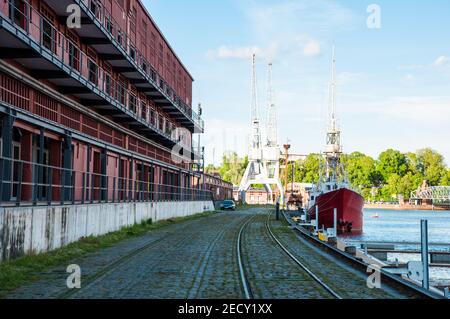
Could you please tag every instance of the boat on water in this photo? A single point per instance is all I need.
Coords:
(333, 190)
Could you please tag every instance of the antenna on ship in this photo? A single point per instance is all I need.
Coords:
(333, 92)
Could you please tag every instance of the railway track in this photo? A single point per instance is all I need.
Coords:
(177, 243)
(315, 283)
(310, 251)
(114, 265)
(200, 284)
(245, 284)
(301, 265)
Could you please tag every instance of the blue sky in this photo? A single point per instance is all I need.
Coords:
(393, 82)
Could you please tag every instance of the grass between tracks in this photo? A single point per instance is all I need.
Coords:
(26, 269)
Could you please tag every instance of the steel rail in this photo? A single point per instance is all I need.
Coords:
(300, 264)
(245, 283)
(116, 263)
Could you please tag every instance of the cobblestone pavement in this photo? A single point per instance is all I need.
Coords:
(197, 259)
(338, 275)
(193, 259)
(270, 272)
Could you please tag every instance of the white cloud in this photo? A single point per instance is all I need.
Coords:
(442, 61)
(223, 135)
(345, 78)
(427, 110)
(312, 48)
(225, 52)
(246, 52)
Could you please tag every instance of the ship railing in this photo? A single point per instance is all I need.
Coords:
(25, 183)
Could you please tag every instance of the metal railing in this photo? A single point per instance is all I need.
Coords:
(26, 183)
(67, 52)
(104, 17)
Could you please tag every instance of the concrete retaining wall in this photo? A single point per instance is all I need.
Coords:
(33, 230)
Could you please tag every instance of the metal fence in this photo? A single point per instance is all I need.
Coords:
(30, 184)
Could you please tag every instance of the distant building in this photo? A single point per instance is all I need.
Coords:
(220, 189)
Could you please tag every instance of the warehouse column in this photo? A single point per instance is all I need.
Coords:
(103, 169)
(7, 136)
(67, 166)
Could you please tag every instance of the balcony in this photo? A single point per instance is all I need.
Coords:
(28, 38)
(102, 32)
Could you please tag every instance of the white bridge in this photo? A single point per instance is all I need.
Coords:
(436, 194)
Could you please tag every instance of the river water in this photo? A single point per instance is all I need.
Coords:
(402, 228)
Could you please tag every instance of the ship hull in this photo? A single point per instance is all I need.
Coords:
(349, 206)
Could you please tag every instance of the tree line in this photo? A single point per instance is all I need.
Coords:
(391, 176)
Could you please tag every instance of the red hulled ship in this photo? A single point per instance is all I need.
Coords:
(333, 189)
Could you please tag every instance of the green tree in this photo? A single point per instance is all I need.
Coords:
(361, 170)
(409, 183)
(307, 170)
(446, 178)
(233, 168)
(210, 169)
(392, 162)
(431, 165)
(414, 165)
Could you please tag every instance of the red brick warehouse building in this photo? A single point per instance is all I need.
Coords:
(92, 114)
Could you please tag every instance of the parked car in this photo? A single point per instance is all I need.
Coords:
(228, 205)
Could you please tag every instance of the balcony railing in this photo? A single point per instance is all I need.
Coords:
(104, 18)
(46, 185)
(39, 29)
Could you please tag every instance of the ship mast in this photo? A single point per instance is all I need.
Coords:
(333, 149)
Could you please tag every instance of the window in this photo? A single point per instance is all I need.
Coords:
(74, 56)
(120, 37)
(161, 123)
(133, 53)
(133, 15)
(132, 103)
(108, 84)
(153, 75)
(168, 128)
(109, 25)
(93, 72)
(121, 93)
(18, 13)
(152, 118)
(95, 8)
(48, 35)
(143, 110)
